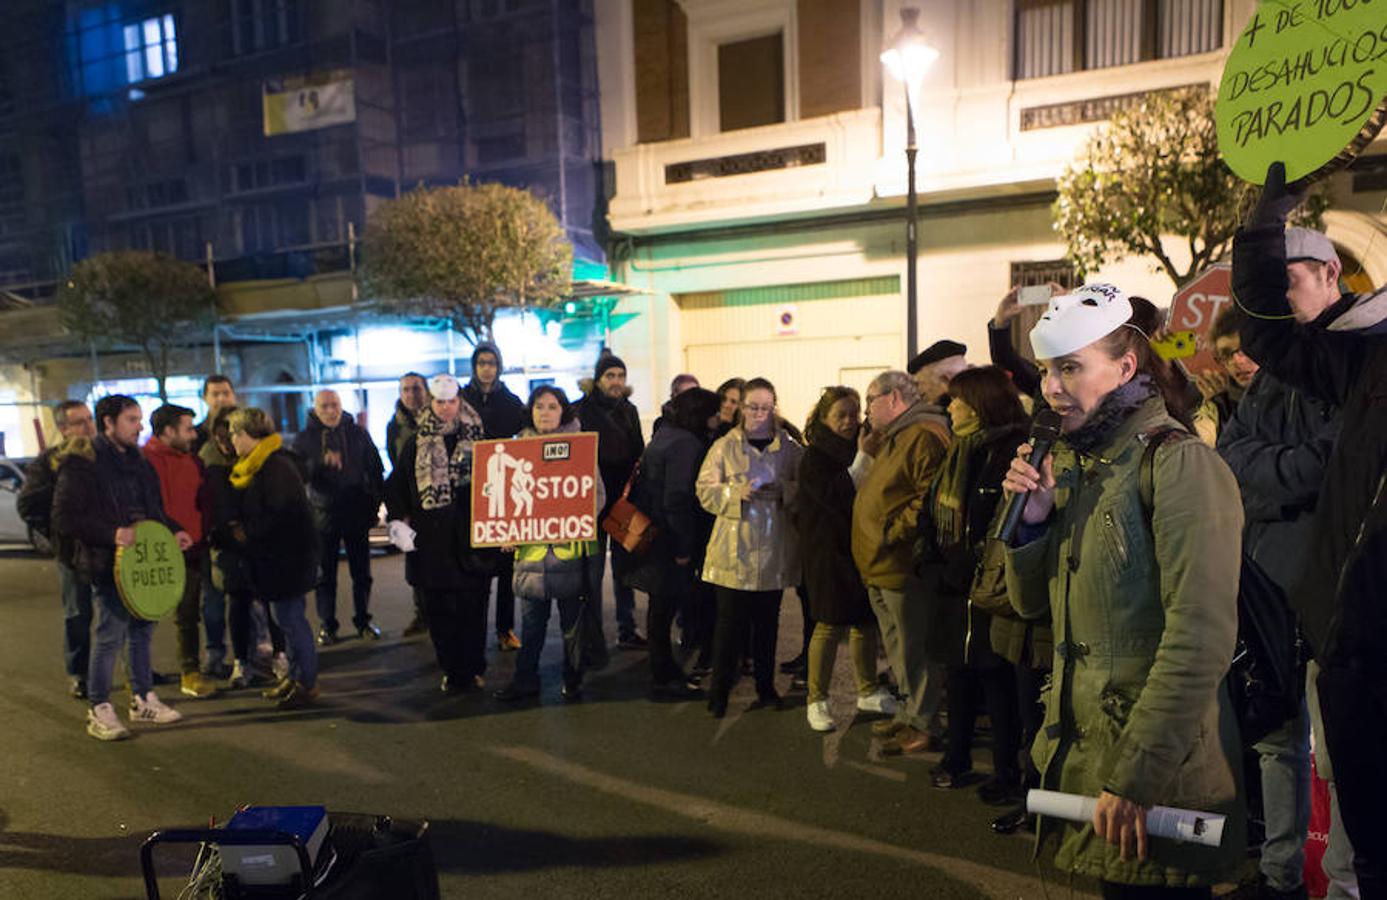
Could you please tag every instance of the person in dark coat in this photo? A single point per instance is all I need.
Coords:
(838, 600)
(231, 573)
(345, 486)
(1341, 594)
(276, 535)
(218, 393)
(414, 398)
(667, 571)
(35, 506)
(429, 491)
(606, 409)
(104, 487)
(503, 416)
(988, 426)
(1277, 441)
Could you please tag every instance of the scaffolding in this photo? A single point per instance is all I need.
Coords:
(139, 125)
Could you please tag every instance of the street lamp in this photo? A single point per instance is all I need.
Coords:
(908, 58)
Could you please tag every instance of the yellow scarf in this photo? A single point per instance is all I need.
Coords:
(243, 473)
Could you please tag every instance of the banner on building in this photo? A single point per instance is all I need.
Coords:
(540, 490)
(303, 104)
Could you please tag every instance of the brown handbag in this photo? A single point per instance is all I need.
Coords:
(627, 525)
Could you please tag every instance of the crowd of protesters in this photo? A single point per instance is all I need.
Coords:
(1100, 639)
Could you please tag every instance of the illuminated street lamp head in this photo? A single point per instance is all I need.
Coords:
(909, 56)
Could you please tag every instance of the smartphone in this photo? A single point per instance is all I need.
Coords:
(1034, 295)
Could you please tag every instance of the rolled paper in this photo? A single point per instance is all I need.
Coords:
(1183, 825)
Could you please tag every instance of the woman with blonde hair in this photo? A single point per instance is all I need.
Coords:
(277, 536)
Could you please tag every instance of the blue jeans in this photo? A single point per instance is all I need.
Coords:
(291, 617)
(213, 614)
(534, 623)
(116, 628)
(1285, 763)
(77, 621)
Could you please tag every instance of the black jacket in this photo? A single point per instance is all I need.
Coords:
(1024, 373)
(665, 491)
(1278, 442)
(503, 413)
(399, 429)
(99, 493)
(836, 593)
(970, 628)
(347, 498)
(281, 545)
(443, 558)
(35, 501)
(1342, 597)
(232, 572)
(620, 442)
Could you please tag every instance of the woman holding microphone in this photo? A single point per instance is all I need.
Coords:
(1142, 582)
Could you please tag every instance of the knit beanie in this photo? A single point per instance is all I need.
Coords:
(608, 361)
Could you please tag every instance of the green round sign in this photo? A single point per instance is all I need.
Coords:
(1305, 85)
(150, 572)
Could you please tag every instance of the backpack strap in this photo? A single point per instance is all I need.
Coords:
(1147, 473)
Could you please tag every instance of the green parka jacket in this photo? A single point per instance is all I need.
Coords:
(1145, 621)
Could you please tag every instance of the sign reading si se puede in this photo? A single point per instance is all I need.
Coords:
(1304, 85)
(1195, 307)
(540, 490)
(150, 572)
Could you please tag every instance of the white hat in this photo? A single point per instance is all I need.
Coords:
(1074, 321)
(443, 387)
(1303, 243)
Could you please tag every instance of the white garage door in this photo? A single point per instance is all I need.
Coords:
(801, 337)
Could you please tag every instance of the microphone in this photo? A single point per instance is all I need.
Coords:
(1045, 430)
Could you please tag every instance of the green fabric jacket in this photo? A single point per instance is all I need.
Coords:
(1145, 620)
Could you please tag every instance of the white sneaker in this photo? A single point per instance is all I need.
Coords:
(238, 675)
(819, 719)
(879, 701)
(280, 666)
(151, 709)
(104, 725)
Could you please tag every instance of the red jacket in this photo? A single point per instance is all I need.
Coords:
(183, 486)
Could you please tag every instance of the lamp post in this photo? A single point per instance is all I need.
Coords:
(908, 58)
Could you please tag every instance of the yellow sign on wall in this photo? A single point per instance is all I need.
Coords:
(1304, 85)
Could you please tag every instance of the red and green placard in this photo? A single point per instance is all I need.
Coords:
(1305, 84)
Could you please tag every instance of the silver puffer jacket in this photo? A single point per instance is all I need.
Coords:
(754, 546)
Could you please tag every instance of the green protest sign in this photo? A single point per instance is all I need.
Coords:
(150, 572)
(1305, 85)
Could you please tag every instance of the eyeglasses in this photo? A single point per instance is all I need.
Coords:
(1226, 355)
(758, 409)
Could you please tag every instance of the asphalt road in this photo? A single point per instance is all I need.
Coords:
(614, 797)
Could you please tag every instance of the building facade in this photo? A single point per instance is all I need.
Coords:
(757, 149)
(255, 137)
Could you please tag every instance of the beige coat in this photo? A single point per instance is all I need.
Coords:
(891, 498)
(754, 545)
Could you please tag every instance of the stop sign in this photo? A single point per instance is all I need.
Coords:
(1195, 307)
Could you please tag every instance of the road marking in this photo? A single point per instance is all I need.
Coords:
(995, 883)
(880, 771)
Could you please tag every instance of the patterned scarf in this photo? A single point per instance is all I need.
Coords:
(243, 473)
(951, 485)
(437, 472)
(1112, 411)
